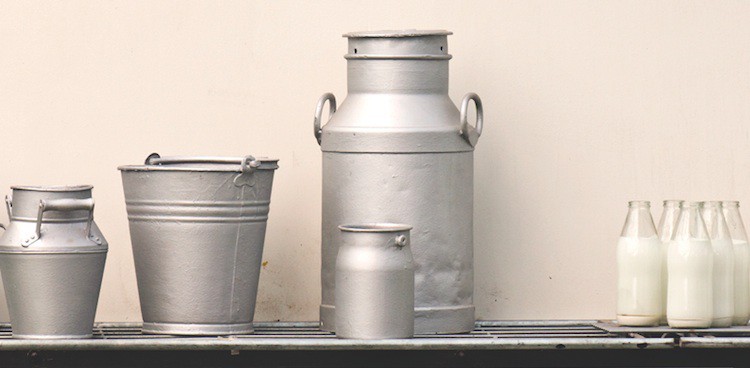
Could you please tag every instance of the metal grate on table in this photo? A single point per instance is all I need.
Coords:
(487, 335)
(728, 337)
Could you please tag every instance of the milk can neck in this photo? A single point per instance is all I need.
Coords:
(398, 62)
(23, 204)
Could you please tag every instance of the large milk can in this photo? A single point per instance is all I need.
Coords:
(197, 225)
(398, 150)
(375, 282)
(52, 259)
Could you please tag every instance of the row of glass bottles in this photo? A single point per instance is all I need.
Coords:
(693, 273)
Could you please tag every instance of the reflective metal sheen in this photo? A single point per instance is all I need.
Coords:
(52, 260)
(398, 150)
(375, 282)
(197, 225)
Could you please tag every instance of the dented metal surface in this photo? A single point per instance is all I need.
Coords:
(398, 150)
(197, 225)
(52, 259)
(375, 282)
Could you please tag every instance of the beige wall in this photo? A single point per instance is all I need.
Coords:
(587, 105)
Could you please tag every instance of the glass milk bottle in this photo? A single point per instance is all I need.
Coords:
(667, 225)
(690, 266)
(639, 265)
(731, 211)
(723, 273)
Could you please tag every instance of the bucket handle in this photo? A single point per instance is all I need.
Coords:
(317, 127)
(65, 204)
(471, 133)
(247, 163)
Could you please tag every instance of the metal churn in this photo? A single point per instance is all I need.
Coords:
(52, 260)
(375, 282)
(399, 150)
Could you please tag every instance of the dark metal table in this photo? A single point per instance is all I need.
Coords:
(492, 343)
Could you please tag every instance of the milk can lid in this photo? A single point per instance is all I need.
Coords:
(398, 33)
(155, 162)
(52, 188)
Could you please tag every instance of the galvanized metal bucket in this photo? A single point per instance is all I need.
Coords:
(197, 225)
(375, 282)
(52, 259)
(399, 150)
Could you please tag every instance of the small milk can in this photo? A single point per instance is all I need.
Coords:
(374, 282)
(197, 225)
(399, 139)
(52, 260)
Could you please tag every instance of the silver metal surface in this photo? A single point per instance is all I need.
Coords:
(486, 335)
(398, 150)
(374, 282)
(715, 342)
(197, 225)
(613, 327)
(52, 260)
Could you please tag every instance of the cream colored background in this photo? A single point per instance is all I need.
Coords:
(587, 105)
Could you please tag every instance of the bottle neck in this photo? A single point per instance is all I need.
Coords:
(668, 221)
(690, 225)
(639, 223)
(714, 220)
(734, 221)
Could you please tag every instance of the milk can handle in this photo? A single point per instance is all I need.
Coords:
(471, 133)
(317, 127)
(64, 205)
(8, 204)
(247, 163)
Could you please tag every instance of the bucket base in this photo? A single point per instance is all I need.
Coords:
(197, 329)
(434, 320)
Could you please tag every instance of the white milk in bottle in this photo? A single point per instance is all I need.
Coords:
(741, 282)
(690, 267)
(736, 227)
(639, 289)
(723, 270)
(667, 224)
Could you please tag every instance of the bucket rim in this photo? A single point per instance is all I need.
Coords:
(53, 188)
(375, 227)
(223, 164)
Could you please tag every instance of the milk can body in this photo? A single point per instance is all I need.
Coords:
(52, 259)
(198, 225)
(399, 150)
(374, 282)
